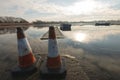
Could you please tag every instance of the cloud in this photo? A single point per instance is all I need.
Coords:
(61, 10)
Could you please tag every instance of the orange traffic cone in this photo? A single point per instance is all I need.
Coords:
(53, 67)
(26, 58)
(53, 59)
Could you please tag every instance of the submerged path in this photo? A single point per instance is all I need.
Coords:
(78, 67)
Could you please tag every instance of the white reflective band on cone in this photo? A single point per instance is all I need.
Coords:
(52, 48)
(23, 47)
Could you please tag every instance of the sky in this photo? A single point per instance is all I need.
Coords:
(61, 10)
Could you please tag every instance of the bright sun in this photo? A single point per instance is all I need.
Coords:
(82, 7)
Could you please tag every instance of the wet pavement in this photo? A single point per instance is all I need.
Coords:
(95, 51)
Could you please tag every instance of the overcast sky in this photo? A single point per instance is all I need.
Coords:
(61, 10)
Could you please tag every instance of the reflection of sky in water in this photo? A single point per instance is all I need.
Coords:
(36, 32)
(99, 39)
(81, 37)
(98, 44)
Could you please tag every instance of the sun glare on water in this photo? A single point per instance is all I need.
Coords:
(81, 37)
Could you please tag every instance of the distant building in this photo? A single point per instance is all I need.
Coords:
(65, 27)
(102, 24)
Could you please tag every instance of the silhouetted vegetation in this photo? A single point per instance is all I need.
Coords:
(112, 22)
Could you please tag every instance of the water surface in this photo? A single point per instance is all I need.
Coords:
(99, 44)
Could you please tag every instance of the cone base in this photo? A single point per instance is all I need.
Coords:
(17, 71)
(46, 73)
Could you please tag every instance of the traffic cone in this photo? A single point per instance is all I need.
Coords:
(53, 59)
(54, 66)
(26, 58)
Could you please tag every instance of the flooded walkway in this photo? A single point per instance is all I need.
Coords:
(95, 52)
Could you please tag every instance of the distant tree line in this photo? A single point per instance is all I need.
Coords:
(112, 22)
(48, 22)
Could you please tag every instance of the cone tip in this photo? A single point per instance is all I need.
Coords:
(19, 29)
(52, 32)
(51, 27)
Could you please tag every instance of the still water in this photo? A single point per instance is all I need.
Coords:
(100, 39)
(99, 44)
